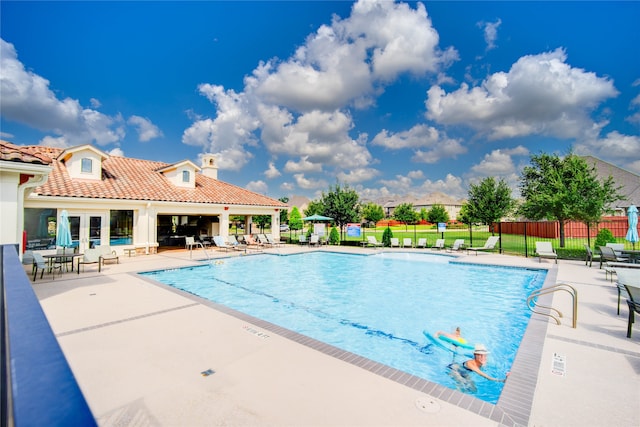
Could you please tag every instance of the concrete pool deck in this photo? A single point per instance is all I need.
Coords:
(141, 353)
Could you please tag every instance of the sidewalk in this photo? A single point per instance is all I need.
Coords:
(138, 351)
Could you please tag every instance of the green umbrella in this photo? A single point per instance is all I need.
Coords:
(317, 218)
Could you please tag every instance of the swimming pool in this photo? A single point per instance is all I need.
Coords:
(377, 306)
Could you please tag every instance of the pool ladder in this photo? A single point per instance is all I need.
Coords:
(559, 287)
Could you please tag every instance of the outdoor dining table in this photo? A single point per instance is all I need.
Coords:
(634, 255)
(52, 258)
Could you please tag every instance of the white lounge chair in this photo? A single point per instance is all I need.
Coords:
(302, 239)
(407, 243)
(489, 245)
(221, 243)
(422, 243)
(545, 250)
(458, 245)
(314, 240)
(395, 242)
(372, 241)
(439, 244)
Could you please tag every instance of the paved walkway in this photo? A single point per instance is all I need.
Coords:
(139, 351)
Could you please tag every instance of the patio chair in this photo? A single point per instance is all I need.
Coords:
(220, 243)
(489, 245)
(394, 242)
(422, 243)
(617, 249)
(40, 264)
(250, 241)
(233, 242)
(108, 254)
(302, 239)
(626, 277)
(407, 243)
(271, 240)
(634, 305)
(314, 240)
(190, 242)
(607, 254)
(91, 256)
(372, 241)
(439, 244)
(458, 245)
(204, 240)
(545, 250)
(590, 256)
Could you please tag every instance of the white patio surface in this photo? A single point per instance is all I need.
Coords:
(138, 351)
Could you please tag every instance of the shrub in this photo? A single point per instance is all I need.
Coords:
(603, 237)
(334, 236)
(386, 237)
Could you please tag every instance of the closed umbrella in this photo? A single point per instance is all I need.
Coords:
(632, 233)
(63, 232)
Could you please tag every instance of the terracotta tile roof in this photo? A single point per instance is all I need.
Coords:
(14, 153)
(134, 179)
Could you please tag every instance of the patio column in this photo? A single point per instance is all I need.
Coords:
(224, 222)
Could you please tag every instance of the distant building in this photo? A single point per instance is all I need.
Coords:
(628, 181)
(451, 205)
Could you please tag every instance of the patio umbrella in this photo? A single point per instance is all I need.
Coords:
(63, 232)
(632, 233)
(317, 218)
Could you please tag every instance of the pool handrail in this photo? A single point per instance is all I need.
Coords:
(550, 289)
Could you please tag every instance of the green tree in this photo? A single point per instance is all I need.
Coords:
(295, 219)
(437, 214)
(424, 214)
(334, 236)
(404, 212)
(387, 234)
(341, 204)
(463, 215)
(372, 212)
(263, 221)
(315, 207)
(564, 189)
(284, 213)
(489, 201)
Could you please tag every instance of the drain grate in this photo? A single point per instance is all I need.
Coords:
(428, 405)
(207, 372)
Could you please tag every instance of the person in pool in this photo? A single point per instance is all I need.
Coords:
(455, 335)
(463, 370)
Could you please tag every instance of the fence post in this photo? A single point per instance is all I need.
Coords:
(500, 240)
(526, 246)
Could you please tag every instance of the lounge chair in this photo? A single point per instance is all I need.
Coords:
(250, 241)
(271, 240)
(634, 305)
(590, 256)
(108, 254)
(618, 248)
(221, 243)
(407, 243)
(372, 241)
(439, 244)
(204, 240)
(40, 264)
(233, 242)
(489, 245)
(302, 239)
(545, 250)
(458, 245)
(395, 242)
(422, 243)
(608, 255)
(262, 238)
(91, 256)
(314, 240)
(629, 277)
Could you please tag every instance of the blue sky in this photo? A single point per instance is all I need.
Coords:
(393, 99)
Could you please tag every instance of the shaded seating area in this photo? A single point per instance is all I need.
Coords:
(545, 250)
(489, 245)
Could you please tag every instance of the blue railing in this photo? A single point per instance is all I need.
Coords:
(38, 387)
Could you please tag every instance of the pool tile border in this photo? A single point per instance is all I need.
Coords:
(514, 405)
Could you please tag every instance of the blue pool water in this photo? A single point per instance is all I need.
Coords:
(377, 306)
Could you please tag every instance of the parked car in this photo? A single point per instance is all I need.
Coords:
(284, 227)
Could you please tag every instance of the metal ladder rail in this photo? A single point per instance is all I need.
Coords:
(559, 287)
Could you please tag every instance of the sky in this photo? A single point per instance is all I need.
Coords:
(393, 99)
